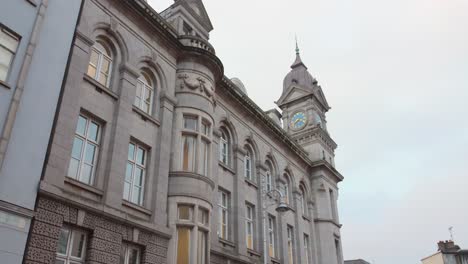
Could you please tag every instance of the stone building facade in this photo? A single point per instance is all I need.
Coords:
(157, 157)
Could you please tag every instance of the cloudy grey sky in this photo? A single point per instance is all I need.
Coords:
(396, 75)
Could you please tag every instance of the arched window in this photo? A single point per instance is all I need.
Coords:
(100, 63)
(303, 200)
(225, 147)
(248, 173)
(269, 177)
(144, 93)
(285, 190)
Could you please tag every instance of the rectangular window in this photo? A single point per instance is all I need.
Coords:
(135, 174)
(188, 152)
(249, 224)
(248, 167)
(191, 123)
(338, 250)
(183, 245)
(185, 212)
(271, 236)
(205, 150)
(203, 216)
(85, 150)
(268, 181)
(130, 255)
(8, 46)
(202, 247)
(290, 232)
(286, 193)
(223, 214)
(71, 247)
(205, 128)
(306, 248)
(332, 205)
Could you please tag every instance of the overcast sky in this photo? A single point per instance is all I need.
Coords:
(396, 76)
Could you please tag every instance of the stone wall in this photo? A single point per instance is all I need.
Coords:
(105, 236)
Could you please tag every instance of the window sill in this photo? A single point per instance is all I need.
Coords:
(225, 242)
(136, 207)
(253, 253)
(305, 217)
(32, 2)
(225, 167)
(275, 260)
(145, 116)
(4, 84)
(100, 88)
(83, 186)
(251, 183)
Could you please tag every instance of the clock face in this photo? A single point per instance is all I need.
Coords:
(298, 120)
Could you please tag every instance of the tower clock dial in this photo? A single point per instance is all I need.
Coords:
(298, 120)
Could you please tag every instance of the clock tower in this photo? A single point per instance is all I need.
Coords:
(304, 106)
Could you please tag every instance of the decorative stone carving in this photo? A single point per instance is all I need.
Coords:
(194, 82)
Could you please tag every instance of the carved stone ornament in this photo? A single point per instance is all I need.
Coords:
(195, 83)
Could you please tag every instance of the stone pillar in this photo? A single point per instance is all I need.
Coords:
(239, 207)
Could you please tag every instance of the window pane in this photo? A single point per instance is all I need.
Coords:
(190, 123)
(128, 172)
(126, 194)
(141, 156)
(105, 65)
(133, 256)
(93, 131)
(78, 244)
(183, 245)
(90, 153)
(73, 169)
(131, 151)
(86, 172)
(7, 40)
(58, 261)
(184, 212)
(137, 195)
(63, 241)
(138, 179)
(188, 153)
(91, 71)
(77, 148)
(102, 79)
(81, 127)
(201, 252)
(94, 57)
(3, 72)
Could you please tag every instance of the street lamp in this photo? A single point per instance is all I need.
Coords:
(281, 207)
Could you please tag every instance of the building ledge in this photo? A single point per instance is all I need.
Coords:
(101, 88)
(145, 116)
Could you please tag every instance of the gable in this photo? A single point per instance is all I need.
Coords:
(291, 94)
(198, 11)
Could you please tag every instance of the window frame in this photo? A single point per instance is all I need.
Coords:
(271, 236)
(85, 141)
(225, 148)
(15, 37)
(68, 258)
(223, 214)
(201, 136)
(306, 248)
(135, 165)
(128, 248)
(248, 172)
(145, 87)
(250, 222)
(98, 67)
(290, 243)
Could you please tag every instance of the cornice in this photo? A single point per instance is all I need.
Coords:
(318, 132)
(323, 164)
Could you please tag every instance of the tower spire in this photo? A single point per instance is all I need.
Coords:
(297, 47)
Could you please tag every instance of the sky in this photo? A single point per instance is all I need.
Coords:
(396, 76)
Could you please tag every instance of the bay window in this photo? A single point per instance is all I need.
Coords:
(196, 144)
(192, 234)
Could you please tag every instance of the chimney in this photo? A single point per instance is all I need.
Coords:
(447, 246)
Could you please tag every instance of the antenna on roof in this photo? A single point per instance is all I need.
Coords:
(451, 232)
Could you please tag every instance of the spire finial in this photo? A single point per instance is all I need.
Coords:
(297, 47)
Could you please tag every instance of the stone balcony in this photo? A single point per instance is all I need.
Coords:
(196, 42)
